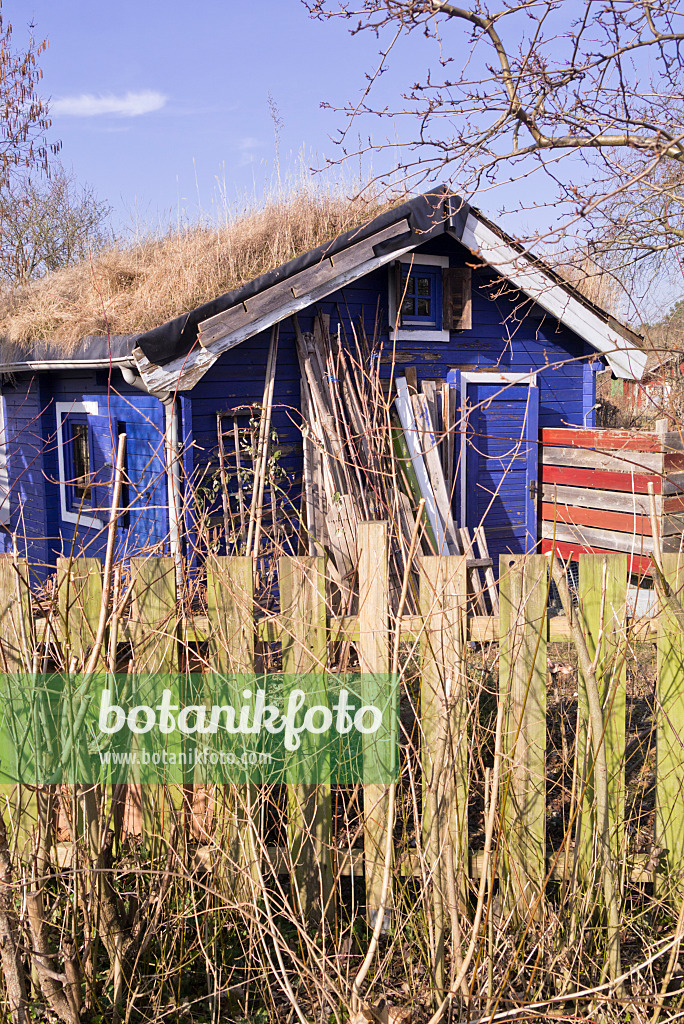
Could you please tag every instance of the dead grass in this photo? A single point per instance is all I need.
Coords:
(130, 288)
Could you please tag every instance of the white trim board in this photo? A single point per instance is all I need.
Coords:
(90, 408)
(624, 358)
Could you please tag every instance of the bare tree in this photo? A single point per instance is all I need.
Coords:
(517, 87)
(48, 223)
(24, 120)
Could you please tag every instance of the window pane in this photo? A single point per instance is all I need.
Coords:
(423, 307)
(423, 286)
(408, 306)
(81, 457)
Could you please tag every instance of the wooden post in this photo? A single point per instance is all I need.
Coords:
(230, 599)
(443, 600)
(669, 823)
(156, 651)
(373, 651)
(79, 583)
(304, 638)
(523, 584)
(602, 606)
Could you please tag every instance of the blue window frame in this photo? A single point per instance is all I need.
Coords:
(78, 462)
(421, 287)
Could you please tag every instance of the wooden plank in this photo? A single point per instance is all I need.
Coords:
(428, 444)
(155, 651)
(669, 823)
(297, 287)
(622, 462)
(230, 606)
(444, 692)
(611, 501)
(635, 563)
(16, 642)
(304, 639)
(601, 518)
(353, 255)
(522, 687)
(620, 440)
(638, 483)
(404, 406)
(373, 652)
(79, 583)
(602, 607)
(589, 537)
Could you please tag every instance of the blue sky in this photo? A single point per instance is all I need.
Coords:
(156, 102)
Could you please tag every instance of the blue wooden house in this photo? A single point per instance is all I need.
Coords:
(519, 344)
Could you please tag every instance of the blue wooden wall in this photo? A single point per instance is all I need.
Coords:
(42, 533)
(508, 333)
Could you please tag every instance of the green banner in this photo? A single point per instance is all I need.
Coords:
(209, 728)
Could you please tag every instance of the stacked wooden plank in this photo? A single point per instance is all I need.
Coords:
(595, 491)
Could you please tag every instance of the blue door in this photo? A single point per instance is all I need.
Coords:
(501, 443)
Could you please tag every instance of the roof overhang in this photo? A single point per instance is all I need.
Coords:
(201, 337)
(625, 359)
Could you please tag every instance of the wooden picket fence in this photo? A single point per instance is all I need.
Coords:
(160, 633)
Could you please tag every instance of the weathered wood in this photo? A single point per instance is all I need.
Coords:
(79, 583)
(297, 285)
(617, 462)
(598, 437)
(428, 445)
(304, 640)
(230, 604)
(155, 651)
(16, 643)
(444, 691)
(590, 537)
(631, 483)
(522, 686)
(612, 501)
(636, 563)
(669, 823)
(603, 611)
(373, 652)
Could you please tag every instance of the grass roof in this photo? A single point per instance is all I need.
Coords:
(127, 289)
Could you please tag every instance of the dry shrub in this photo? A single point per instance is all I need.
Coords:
(126, 289)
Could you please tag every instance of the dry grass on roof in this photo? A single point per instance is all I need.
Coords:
(130, 288)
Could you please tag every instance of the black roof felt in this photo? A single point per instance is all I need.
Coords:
(428, 214)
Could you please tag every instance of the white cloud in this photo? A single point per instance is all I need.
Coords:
(249, 143)
(131, 104)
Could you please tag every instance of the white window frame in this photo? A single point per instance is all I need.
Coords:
(65, 408)
(473, 377)
(4, 467)
(406, 333)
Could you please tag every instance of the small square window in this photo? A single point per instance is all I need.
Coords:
(421, 305)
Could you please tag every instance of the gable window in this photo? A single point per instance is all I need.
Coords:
(428, 298)
(421, 290)
(75, 460)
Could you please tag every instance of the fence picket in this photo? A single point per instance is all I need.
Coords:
(443, 602)
(373, 651)
(79, 583)
(669, 827)
(230, 601)
(522, 686)
(304, 639)
(602, 607)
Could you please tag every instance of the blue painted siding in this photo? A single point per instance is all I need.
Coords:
(508, 333)
(143, 419)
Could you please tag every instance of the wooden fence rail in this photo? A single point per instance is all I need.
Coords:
(160, 634)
